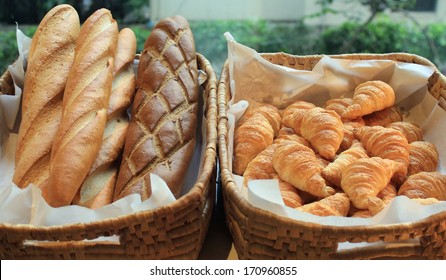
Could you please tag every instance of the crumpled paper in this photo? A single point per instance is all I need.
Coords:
(26, 206)
(252, 78)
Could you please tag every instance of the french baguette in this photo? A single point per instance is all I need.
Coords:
(50, 58)
(98, 187)
(161, 134)
(84, 114)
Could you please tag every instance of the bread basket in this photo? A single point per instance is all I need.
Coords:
(260, 234)
(174, 231)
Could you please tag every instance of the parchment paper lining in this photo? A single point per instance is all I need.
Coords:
(252, 78)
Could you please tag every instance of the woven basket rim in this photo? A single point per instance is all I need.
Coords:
(195, 194)
(228, 182)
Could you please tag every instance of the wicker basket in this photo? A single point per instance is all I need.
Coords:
(174, 231)
(259, 234)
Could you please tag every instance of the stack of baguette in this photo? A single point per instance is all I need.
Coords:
(79, 87)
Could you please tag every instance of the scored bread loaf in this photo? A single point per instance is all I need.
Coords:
(98, 187)
(50, 57)
(85, 105)
(161, 135)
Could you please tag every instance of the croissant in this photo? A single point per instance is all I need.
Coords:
(270, 112)
(324, 129)
(334, 205)
(386, 195)
(339, 105)
(333, 172)
(423, 156)
(363, 179)
(349, 135)
(286, 133)
(300, 106)
(297, 165)
(411, 131)
(290, 194)
(322, 161)
(386, 143)
(384, 117)
(360, 213)
(250, 138)
(261, 167)
(370, 97)
(424, 185)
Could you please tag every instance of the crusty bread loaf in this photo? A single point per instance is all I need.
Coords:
(98, 187)
(161, 134)
(50, 57)
(85, 104)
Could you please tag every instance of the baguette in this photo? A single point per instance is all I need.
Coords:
(50, 57)
(85, 105)
(161, 134)
(98, 187)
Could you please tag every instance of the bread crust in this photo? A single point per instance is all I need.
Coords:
(85, 105)
(50, 58)
(161, 135)
(98, 187)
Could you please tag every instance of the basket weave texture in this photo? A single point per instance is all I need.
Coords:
(174, 231)
(259, 234)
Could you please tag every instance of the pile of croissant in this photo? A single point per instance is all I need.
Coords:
(349, 158)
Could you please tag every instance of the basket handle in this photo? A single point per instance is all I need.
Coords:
(101, 248)
(382, 250)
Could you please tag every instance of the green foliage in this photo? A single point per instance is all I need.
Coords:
(8, 46)
(262, 36)
(380, 36)
(141, 34)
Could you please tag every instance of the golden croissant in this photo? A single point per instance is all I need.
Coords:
(250, 138)
(322, 161)
(411, 131)
(386, 143)
(333, 172)
(423, 156)
(370, 97)
(270, 112)
(424, 185)
(363, 179)
(261, 167)
(334, 205)
(288, 118)
(386, 195)
(286, 133)
(384, 117)
(297, 165)
(359, 213)
(290, 194)
(349, 135)
(324, 129)
(339, 105)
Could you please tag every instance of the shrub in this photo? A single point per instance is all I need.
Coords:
(379, 37)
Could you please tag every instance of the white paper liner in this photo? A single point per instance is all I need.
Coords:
(26, 206)
(253, 78)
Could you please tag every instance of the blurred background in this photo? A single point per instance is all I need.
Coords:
(293, 26)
